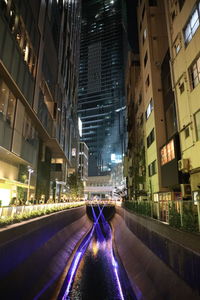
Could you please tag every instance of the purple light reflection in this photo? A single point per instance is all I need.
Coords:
(77, 258)
(114, 262)
(72, 273)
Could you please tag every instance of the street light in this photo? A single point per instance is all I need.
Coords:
(30, 171)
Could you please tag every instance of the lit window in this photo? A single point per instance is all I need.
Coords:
(177, 45)
(167, 153)
(144, 35)
(149, 109)
(192, 25)
(194, 71)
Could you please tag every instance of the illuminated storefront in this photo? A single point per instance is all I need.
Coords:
(9, 190)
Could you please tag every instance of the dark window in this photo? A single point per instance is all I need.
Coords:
(152, 168)
(150, 138)
(147, 82)
(182, 87)
(181, 3)
(140, 26)
(187, 132)
(152, 2)
(173, 15)
(145, 58)
(143, 12)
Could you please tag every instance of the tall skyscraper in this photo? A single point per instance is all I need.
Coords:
(101, 84)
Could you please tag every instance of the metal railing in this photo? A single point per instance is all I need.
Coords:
(179, 214)
(101, 202)
(11, 211)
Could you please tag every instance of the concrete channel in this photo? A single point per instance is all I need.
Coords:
(34, 254)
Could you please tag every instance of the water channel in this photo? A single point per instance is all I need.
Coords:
(96, 273)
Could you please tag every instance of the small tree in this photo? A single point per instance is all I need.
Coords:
(75, 186)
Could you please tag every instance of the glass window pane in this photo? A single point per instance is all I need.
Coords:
(10, 109)
(4, 93)
(194, 21)
(197, 119)
(187, 33)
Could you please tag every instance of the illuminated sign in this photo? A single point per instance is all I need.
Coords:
(167, 153)
(73, 152)
(116, 158)
(80, 126)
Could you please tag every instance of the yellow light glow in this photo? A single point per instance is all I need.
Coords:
(5, 196)
(95, 248)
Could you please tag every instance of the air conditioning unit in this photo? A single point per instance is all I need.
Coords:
(186, 190)
(183, 165)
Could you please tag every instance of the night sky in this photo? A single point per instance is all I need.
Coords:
(132, 24)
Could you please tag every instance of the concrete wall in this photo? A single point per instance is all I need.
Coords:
(149, 274)
(34, 254)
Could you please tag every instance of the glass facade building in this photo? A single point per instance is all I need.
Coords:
(101, 84)
(39, 50)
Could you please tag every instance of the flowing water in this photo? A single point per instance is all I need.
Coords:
(95, 272)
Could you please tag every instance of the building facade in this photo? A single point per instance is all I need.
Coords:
(38, 85)
(183, 20)
(101, 84)
(169, 78)
(153, 46)
(136, 154)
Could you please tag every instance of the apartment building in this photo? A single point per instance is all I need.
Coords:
(183, 22)
(135, 170)
(38, 84)
(153, 46)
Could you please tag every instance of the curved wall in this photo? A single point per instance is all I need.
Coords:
(147, 270)
(33, 255)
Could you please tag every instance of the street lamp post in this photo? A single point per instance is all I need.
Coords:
(30, 171)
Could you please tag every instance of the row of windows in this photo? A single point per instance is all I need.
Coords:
(17, 28)
(7, 104)
(7, 112)
(189, 30)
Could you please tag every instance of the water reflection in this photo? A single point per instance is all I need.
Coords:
(97, 274)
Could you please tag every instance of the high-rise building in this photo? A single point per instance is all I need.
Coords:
(101, 84)
(38, 84)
